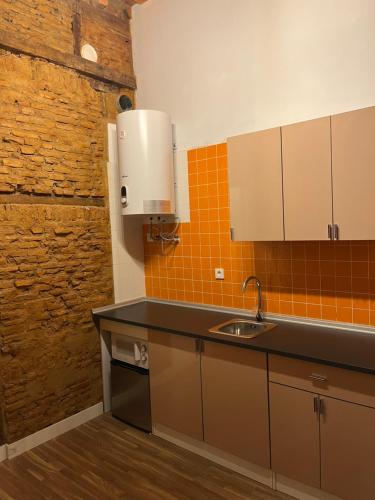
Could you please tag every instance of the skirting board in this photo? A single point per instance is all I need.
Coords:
(300, 491)
(52, 431)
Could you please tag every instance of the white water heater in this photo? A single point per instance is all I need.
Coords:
(145, 162)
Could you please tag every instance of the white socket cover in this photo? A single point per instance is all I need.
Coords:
(219, 273)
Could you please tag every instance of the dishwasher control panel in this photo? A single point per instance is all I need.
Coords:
(130, 350)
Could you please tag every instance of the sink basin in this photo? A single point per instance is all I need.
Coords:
(244, 328)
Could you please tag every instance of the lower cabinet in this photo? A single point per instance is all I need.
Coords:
(235, 401)
(208, 386)
(321, 440)
(347, 433)
(222, 394)
(294, 427)
(175, 383)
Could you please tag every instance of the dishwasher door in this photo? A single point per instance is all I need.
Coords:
(131, 394)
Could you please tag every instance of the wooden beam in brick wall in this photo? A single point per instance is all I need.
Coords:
(20, 45)
(76, 27)
(24, 199)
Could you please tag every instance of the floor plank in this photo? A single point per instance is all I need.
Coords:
(106, 459)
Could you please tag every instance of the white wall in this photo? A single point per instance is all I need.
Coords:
(224, 67)
(127, 239)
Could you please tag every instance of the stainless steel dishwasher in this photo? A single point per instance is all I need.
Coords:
(130, 386)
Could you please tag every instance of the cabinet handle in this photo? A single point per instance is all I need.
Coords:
(329, 231)
(318, 378)
(232, 233)
(321, 406)
(335, 232)
(316, 404)
(199, 345)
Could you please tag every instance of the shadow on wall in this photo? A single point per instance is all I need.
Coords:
(132, 237)
(322, 280)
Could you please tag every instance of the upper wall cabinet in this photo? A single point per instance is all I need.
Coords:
(315, 179)
(306, 156)
(353, 169)
(255, 184)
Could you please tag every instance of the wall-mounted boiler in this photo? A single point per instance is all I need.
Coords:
(146, 162)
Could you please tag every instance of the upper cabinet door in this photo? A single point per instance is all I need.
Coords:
(255, 182)
(306, 152)
(353, 168)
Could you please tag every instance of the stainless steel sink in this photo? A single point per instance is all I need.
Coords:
(244, 328)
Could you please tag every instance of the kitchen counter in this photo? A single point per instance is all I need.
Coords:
(328, 345)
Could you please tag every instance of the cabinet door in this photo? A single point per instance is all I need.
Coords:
(255, 186)
(307, 179)
(348, 449)
(353, 170)
(175, 383)
(294, 434)
(235, 401)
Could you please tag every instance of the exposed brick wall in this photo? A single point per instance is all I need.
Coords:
(55, 259)
(115, 7)
(43, 21)
(112, 45)
(55, 266)
(49, 22)
(51, 136)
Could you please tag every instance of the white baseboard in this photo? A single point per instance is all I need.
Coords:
(3, 452)
(248, 469)
(50, 432)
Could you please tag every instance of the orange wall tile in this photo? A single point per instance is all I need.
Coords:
(324, 280)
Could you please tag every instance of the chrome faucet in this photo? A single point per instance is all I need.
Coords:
(259, 316)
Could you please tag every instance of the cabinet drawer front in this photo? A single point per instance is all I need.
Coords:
(322, 379)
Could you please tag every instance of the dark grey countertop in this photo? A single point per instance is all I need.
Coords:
(328, 345)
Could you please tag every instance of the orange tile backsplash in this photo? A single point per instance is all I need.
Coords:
(324, 280)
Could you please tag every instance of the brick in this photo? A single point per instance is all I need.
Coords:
(23, 283)
(27, 150)
(62, 231)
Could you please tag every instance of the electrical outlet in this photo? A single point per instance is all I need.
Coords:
(219, 273)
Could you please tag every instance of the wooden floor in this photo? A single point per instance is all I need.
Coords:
(106, 459)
